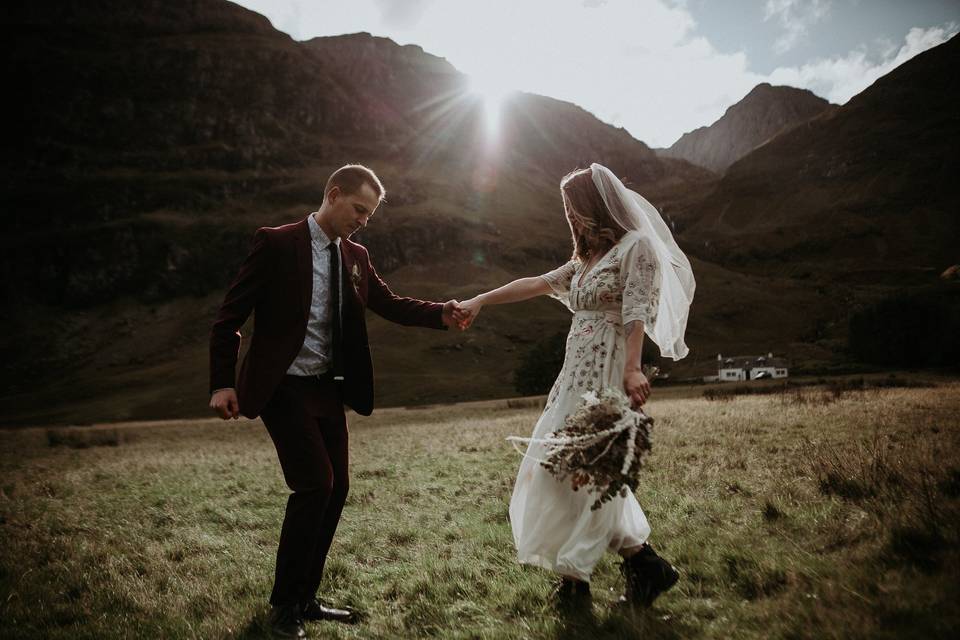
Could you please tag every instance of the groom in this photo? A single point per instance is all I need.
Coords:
(309, 286)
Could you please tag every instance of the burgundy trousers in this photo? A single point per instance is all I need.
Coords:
(305, 419)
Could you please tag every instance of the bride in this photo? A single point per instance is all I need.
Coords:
(627, 277)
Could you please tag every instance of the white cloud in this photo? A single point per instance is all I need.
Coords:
(639, 64)
(795, 17)
(634, 63)
(839, 79)
(403, 13)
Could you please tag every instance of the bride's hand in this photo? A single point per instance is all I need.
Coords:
(637, 387)
(467, 312)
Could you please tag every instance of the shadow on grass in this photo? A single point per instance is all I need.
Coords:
(257, 627)
(622, 622)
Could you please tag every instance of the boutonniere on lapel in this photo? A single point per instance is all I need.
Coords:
(355, 277)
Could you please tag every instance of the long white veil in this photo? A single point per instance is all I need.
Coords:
(632, 212)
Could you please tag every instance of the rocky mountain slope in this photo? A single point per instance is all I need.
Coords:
(760, 116)
(862, 194)
(151, 141)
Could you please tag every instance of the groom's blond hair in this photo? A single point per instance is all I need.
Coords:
(351, 177)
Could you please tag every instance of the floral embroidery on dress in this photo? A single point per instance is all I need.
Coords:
(641, 284)
(560, 280)
(623, 286)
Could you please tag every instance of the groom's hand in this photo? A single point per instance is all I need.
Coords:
(466, 313)
(225, 403)
(451, 311)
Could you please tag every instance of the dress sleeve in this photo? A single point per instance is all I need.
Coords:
(559, 280)
(640, 275)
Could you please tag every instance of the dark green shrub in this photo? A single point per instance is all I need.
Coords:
(909, 328)
(540, 366)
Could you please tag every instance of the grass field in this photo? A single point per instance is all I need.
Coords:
(809, 514)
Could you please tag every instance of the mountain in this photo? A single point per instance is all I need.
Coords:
(762, 114)
(861, 194)
(151, 139)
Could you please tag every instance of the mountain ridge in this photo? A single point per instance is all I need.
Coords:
(129, 209)
(762, 114)
(188, 124)
(864, 187)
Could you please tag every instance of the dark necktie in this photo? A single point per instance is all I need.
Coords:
(337, 333)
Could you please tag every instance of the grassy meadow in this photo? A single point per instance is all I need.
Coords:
(807, 514)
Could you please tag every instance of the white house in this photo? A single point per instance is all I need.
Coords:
(742, 368)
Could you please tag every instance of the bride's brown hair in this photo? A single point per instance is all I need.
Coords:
(592, 227)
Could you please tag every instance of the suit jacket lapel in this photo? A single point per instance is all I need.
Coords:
(305, 267)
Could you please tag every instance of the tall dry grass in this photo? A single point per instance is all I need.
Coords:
(825, 517)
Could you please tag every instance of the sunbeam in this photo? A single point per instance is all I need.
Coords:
(493, 92)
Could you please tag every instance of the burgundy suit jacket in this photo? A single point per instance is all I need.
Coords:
(276, 283)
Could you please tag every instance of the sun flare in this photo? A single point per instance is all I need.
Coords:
(493, 93)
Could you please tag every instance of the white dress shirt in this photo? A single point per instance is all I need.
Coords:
(316, 354)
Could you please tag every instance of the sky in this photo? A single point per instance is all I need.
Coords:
(658, 68)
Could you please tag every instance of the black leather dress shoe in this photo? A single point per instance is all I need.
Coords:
(286, 622)
(316, 610)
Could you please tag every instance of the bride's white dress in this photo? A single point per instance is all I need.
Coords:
(553, 526)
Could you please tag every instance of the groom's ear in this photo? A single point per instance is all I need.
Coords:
(333, 194)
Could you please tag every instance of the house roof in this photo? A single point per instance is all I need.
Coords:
(748, 362)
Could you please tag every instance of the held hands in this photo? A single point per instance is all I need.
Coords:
(460, 314)
(467, 312)
(637, 387)
(453, 314)
(225, 403)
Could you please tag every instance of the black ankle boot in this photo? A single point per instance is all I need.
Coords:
(572, 595)
(647, 575)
